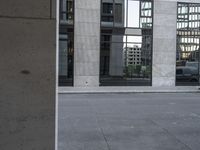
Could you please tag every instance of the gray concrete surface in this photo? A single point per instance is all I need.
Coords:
(27, 75)
(86, 43)
(129, 121)
(129, 89)
(164, 43)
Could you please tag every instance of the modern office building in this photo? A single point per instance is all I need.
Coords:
(152, 43)
(132, 55)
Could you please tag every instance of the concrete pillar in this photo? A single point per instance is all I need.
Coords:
(86, 43)
(164, 43)
(63, 56)
(27, 78)
(116, 56)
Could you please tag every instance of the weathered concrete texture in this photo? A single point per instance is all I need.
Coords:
(164, 43)
(53, 8)
(86, 43)
(129, 121)
(27, 85)
(26, 8)
(88, 81)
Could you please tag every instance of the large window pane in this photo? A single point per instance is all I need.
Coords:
(188, 42)
(107, 12)
(113, 13)
(126, 47)
(66, 11)
(66, 40)
(126, 44)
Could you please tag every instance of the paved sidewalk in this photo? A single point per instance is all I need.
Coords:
(147, 121)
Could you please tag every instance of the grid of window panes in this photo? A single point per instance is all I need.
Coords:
(188, 42)
(66, 43)
(146, 14)
(120, 13)
(126, 43)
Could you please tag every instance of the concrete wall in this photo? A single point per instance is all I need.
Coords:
(164, 43)
(86, 43)
(27, 78)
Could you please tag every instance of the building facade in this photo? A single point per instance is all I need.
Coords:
(151, 43)
(132, 55)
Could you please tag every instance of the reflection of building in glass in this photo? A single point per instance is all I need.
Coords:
(146, 25)
(146, 14)
(66, 43)
(188, 16)
(126, 27)
(188, 32)
(194, 55)
(112, 45)
(146, 49)
(132, 55)
(66, 11)
(188, 41)
(113, 13)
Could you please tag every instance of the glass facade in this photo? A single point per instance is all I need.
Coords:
(66, 42)
(126, 43)
(188, 42)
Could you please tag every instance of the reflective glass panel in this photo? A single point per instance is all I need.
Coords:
(66, 43)
(126, 44)
(188, 42)
(133, 14)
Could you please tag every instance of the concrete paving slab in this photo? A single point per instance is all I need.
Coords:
(142, 121)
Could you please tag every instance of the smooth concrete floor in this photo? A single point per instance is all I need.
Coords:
(140, 121)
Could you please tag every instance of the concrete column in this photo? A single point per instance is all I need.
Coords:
(164, 43)
(86, 43)
(116, 56)
(27, 74)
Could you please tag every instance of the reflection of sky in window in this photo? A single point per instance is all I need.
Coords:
(133, 13)
(188, 19)
(133, 40)
(132, 19)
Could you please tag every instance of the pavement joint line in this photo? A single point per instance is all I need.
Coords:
(100, 128)
(108, 146)
(125, 92)
(167, 131)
